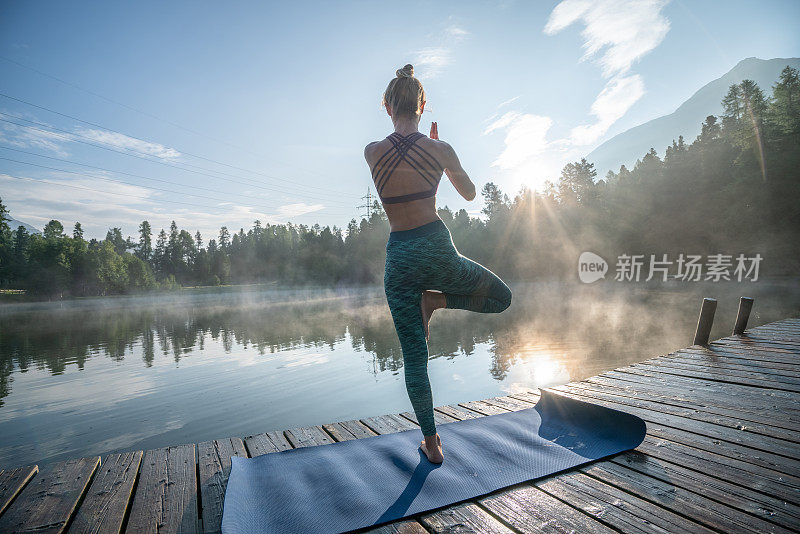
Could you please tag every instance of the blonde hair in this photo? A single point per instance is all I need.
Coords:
(404, 95)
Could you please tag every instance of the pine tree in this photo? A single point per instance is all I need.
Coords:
(576, 183)
(160, 259)
(77, 231)
(145, 249)
(785, 106)
(53, 230)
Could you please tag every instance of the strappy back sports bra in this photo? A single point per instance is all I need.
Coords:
(404, 148)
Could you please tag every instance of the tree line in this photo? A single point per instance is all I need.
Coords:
(734, 189)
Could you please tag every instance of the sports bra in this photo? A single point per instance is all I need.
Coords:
(404, 148)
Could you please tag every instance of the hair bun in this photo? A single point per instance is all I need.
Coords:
(406, 72)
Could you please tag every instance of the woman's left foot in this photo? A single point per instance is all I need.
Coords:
(431, 301)
(433, 448)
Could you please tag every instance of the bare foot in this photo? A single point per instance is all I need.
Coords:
(431, 301)
(434, 450)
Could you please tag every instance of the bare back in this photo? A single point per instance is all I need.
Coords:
(406, 171)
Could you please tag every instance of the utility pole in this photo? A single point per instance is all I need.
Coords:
(369, 197)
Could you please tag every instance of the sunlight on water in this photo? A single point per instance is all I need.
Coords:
(96, 376)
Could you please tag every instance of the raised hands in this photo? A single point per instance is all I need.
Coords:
(434, 131)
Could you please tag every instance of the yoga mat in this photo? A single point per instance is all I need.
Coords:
(363, 482)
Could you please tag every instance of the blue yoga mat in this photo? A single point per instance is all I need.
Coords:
(363, 482)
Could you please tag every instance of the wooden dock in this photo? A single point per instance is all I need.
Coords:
(722, 454)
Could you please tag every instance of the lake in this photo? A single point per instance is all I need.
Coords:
(94, 376)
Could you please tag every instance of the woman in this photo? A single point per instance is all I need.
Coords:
(424, 271)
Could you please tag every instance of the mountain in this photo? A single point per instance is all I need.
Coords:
(14, 224)
(630, 145)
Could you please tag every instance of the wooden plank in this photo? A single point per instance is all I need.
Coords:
(482, 408)
(510, 403)
(734, 356)
(752, 477)
(166, 495)
(456, 412)
(745, 474)
(692, 413)
(109, 495)
(766, 444)
(616, 508)
(386, 424)
(714, 396)
(49, 500)
(308, 436)
(12, 481)
(744, 371)
(756, 351)
(699, 508)
(214, 467)
(347, 430)
(719, 377)
(768, 416)
(708, 373)
(530, 510)
(467, 517)
(266, 442)
(774, 337)
(684, 433)
(399, 527)
(639, 375)
(766, 507)
(438, 417)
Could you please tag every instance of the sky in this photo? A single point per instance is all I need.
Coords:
(216, 114)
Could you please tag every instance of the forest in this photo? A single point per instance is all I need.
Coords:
(734, 189)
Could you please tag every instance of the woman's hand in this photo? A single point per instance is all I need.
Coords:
(434, 131)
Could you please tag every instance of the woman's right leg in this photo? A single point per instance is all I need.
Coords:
(468, 285)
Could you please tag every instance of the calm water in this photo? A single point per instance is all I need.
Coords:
(96, 376)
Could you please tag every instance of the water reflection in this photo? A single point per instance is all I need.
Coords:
(93, 376)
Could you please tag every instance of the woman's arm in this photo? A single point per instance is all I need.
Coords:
(456, 173)
(452, 167)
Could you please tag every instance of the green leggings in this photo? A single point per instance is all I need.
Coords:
(426, 258)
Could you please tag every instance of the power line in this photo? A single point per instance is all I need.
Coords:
(127, 174)
(126, 183)
(210, 160)
(71, 136)
(157, 161)
(131, 108)
(93, 190)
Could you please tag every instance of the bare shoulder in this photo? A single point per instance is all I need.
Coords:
(369, 150)
(443, 149)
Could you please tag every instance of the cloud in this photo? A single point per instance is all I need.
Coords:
(526, 136)
(619, 31)
(100, 205)
(507, 102)
(616, 34)
(41, 139)
(297, 209)
(124, 142)
(611, 104)
(456, 32)
(430, 61)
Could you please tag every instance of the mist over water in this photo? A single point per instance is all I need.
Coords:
(100, 375)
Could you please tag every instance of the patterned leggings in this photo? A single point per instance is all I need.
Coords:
(426, 258)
